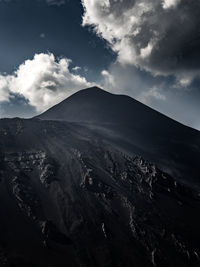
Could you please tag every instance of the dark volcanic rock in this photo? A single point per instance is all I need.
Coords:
(67, 198)
(134, 128)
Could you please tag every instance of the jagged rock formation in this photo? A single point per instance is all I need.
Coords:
(67, 198)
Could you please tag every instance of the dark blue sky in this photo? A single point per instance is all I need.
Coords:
(23, 21)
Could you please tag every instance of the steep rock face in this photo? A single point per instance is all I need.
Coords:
(68, 198)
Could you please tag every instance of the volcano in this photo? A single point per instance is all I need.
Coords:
(99, 180)
(134, 128)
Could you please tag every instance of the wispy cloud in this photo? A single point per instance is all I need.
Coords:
(55, 2)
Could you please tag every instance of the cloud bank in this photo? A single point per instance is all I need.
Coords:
(42, 81)
(161, 37)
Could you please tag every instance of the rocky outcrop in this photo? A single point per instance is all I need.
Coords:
(68, 197)
(25, 196)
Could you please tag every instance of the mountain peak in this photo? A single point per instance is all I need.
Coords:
(92, 104)
(91, 90)
(96, 105)
(94, 88)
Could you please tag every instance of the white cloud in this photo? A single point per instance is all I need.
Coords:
(76, 68)
(170, 3)
(4, 90)
(149, 34)
(151, 94)
(146, 51)
(118, 22)
(109, 80)
(43, 81)
(131, 81)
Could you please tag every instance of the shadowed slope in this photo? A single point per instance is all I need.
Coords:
(67, 198)
(135, 128)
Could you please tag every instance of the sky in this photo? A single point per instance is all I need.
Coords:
(147, 49)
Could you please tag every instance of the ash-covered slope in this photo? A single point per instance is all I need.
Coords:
(94, 105)
(69, 199)
(135, 128)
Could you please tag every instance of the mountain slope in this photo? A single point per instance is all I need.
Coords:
(96, 105)
(135, 128)
(67, 198)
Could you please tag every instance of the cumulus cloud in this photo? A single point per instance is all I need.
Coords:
(170, 3)
(43, 81)
(161, 37)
